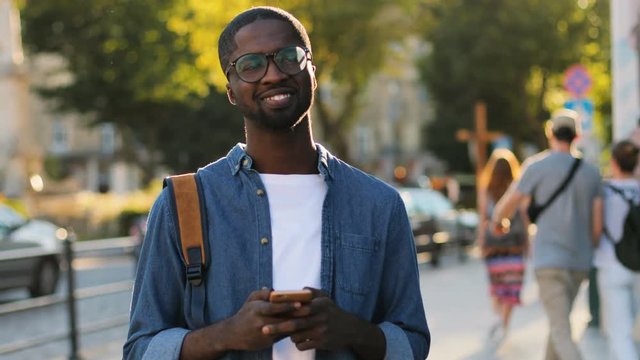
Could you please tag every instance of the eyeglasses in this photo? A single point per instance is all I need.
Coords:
(253, 67)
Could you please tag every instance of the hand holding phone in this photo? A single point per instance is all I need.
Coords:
(281, 296)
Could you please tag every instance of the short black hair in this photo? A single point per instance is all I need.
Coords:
(625, 154)
(227, 44)
(565, 134)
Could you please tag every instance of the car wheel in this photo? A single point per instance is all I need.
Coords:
(435, 257)
(45, 278)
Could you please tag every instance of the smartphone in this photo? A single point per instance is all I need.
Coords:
(302, 296)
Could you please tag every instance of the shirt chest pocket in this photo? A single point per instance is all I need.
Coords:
(358, 263)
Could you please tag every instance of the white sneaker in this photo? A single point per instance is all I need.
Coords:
(497, 333)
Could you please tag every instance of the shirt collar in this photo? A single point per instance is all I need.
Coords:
(238, 158)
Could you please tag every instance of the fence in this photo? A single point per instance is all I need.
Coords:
(94, 248)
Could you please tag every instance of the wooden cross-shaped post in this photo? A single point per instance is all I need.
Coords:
(481, 136)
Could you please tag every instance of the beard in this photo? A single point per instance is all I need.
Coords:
(285, 119)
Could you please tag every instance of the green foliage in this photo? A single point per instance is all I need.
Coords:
(351, 41)
(130, 69)
(507, 53)
(150, 66)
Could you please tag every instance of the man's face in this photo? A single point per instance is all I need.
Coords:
(278, 101)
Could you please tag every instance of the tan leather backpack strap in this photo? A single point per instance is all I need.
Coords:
(190, 229)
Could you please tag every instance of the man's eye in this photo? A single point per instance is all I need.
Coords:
(249, 65)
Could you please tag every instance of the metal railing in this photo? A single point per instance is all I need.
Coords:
(72, 295)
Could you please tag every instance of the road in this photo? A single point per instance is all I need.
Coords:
(455, 297)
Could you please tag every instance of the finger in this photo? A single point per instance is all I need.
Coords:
(280, 309)
(302, 336)
(306, 344)
(287, 327)
(317, 292)
(262, 294)
(303, 311)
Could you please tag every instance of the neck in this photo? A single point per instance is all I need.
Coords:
(559, 146)
(617, 174)
(282, 152)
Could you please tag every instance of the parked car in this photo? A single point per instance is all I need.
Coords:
(437, 224)
(30, 253)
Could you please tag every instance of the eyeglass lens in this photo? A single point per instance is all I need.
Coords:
(253, 67)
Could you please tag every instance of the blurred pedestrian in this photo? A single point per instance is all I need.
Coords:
(504, 254)
(619, 286)
(452, 188)
(283, 213)
(634, 137)
(568, 228)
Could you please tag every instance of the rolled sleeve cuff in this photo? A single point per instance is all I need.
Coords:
(398, 346)
(166, 345)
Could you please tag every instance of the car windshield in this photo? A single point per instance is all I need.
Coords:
(425, 202)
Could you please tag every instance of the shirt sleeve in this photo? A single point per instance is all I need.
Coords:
(157, 326)
(527, 180)
(404, 323)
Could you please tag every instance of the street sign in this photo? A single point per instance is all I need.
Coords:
(585, 108)
(577, 80)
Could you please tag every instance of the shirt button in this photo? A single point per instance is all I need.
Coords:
(264, 241)
(245, 162)
(259, 192)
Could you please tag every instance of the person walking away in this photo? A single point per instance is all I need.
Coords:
(282, 213)
(619, 286)
(503, 255)
(568, 228)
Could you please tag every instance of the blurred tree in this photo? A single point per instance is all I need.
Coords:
(510, 54)
(129, 68)
(151, 66)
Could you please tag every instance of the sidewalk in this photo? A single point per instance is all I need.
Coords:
(459, 313)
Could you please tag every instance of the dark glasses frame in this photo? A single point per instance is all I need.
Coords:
(267, 56)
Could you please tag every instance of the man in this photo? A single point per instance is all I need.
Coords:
(283, 214)
(568, 229)
(619, 286)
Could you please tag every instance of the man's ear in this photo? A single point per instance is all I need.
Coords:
(315, 80)
(230, 96)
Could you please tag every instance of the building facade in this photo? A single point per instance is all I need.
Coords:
(38, 142)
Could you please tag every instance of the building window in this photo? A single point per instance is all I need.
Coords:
(59, 137)
(108, 138)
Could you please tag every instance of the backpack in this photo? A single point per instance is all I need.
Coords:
(191, 217)
(627, 248)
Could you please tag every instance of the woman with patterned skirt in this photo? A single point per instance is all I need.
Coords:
(504, 254)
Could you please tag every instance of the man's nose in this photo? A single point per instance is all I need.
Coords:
(273, 74)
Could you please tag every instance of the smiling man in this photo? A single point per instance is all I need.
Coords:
(284, 214)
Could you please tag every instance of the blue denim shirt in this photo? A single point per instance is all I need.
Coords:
(368, 266)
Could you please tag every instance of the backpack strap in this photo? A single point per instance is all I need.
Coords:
(189, 209)
(621, 193)
(563, 185)
(618, 191)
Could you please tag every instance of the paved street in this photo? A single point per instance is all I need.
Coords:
(458, 312)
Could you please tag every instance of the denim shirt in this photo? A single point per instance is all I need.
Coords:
(368, 264)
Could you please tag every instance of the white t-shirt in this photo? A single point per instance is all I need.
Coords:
(295, 206)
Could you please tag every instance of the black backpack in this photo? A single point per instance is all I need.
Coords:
(627, 248)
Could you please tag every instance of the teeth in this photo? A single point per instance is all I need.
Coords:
(278, 97)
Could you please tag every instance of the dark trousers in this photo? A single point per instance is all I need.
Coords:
(594, 298)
